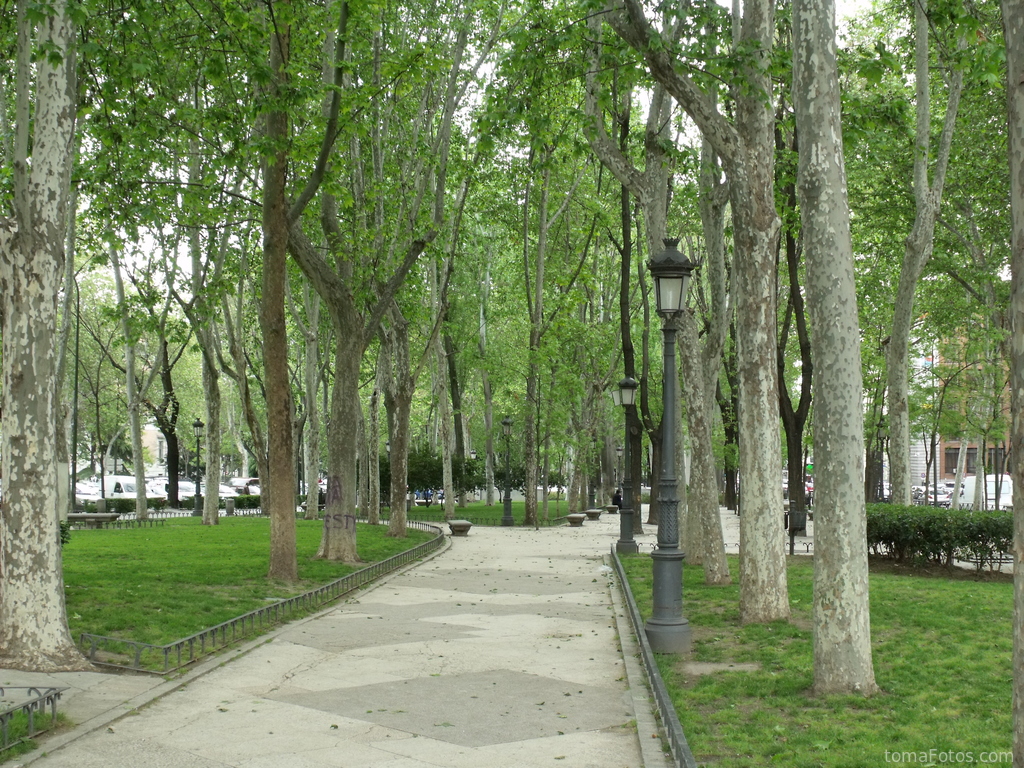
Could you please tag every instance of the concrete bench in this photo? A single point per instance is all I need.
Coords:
(612, 509)
(460, 527)
(576, 519)
(594, 514)
(92, 519)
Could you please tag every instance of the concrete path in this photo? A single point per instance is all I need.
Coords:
(510, 648)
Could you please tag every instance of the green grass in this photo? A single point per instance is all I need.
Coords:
(156, 585)
(17, 732)
(942, 648)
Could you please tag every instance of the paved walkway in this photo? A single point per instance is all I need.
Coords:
(510, 648)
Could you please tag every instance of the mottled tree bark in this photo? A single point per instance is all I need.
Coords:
(842, 627)
(34, 633)
(1013, 33)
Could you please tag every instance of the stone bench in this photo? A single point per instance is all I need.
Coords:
(612, 509)
(576, 519)
(460, 527)
(594, 514)
(92, 519)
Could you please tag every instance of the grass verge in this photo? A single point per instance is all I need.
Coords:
(17, 733)
(942, 646)
(160, 584)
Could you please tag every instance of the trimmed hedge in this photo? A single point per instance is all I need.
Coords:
(939, 535)
(126, 506)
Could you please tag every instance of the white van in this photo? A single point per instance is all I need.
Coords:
(1005, 492)
(123, 487)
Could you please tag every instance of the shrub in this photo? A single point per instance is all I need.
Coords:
(247, 502)
(938, 535)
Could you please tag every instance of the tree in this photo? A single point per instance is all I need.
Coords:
(1013, 33)
(842, 630)
(278, 488)
(919, 245)
(33, 622)
(746, 149)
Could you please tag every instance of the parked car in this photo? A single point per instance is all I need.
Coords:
(86, 492)
(245, 486)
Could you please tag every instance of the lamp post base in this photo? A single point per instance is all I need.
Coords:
(668, 638)
(667, 630)
(626, 544)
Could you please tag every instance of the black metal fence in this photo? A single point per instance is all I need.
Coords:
(19, 703)
(161, 659)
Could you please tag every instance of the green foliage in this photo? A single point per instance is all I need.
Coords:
(426, 471)
(247, 502)
(938, 535)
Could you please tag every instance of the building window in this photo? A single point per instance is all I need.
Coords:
(953, 455)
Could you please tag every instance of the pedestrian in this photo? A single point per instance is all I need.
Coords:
(617, 498)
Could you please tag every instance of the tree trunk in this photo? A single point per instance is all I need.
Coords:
(278, 487)
(444, 413)
(794, 419)
(458, 425)
(373, 458)
(702, 495)
(1013, 33)
(131, 391)
(212, 438)
(919, 246)
(338, 538)
(311, 378)
(399, 393)
(842, 627)
(34, 633)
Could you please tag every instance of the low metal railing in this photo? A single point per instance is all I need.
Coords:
(33, 701)
(162, 659)
(666, 709)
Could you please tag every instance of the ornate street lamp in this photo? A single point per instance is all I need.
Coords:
(625, 396)
(667, 630)
(506, 515)
(197, 430)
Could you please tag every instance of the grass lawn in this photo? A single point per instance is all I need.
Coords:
(942, 655)
(160, 584)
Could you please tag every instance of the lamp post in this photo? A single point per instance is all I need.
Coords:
(197, 430)
(506, 514)
(667, 630)
(625, 396)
